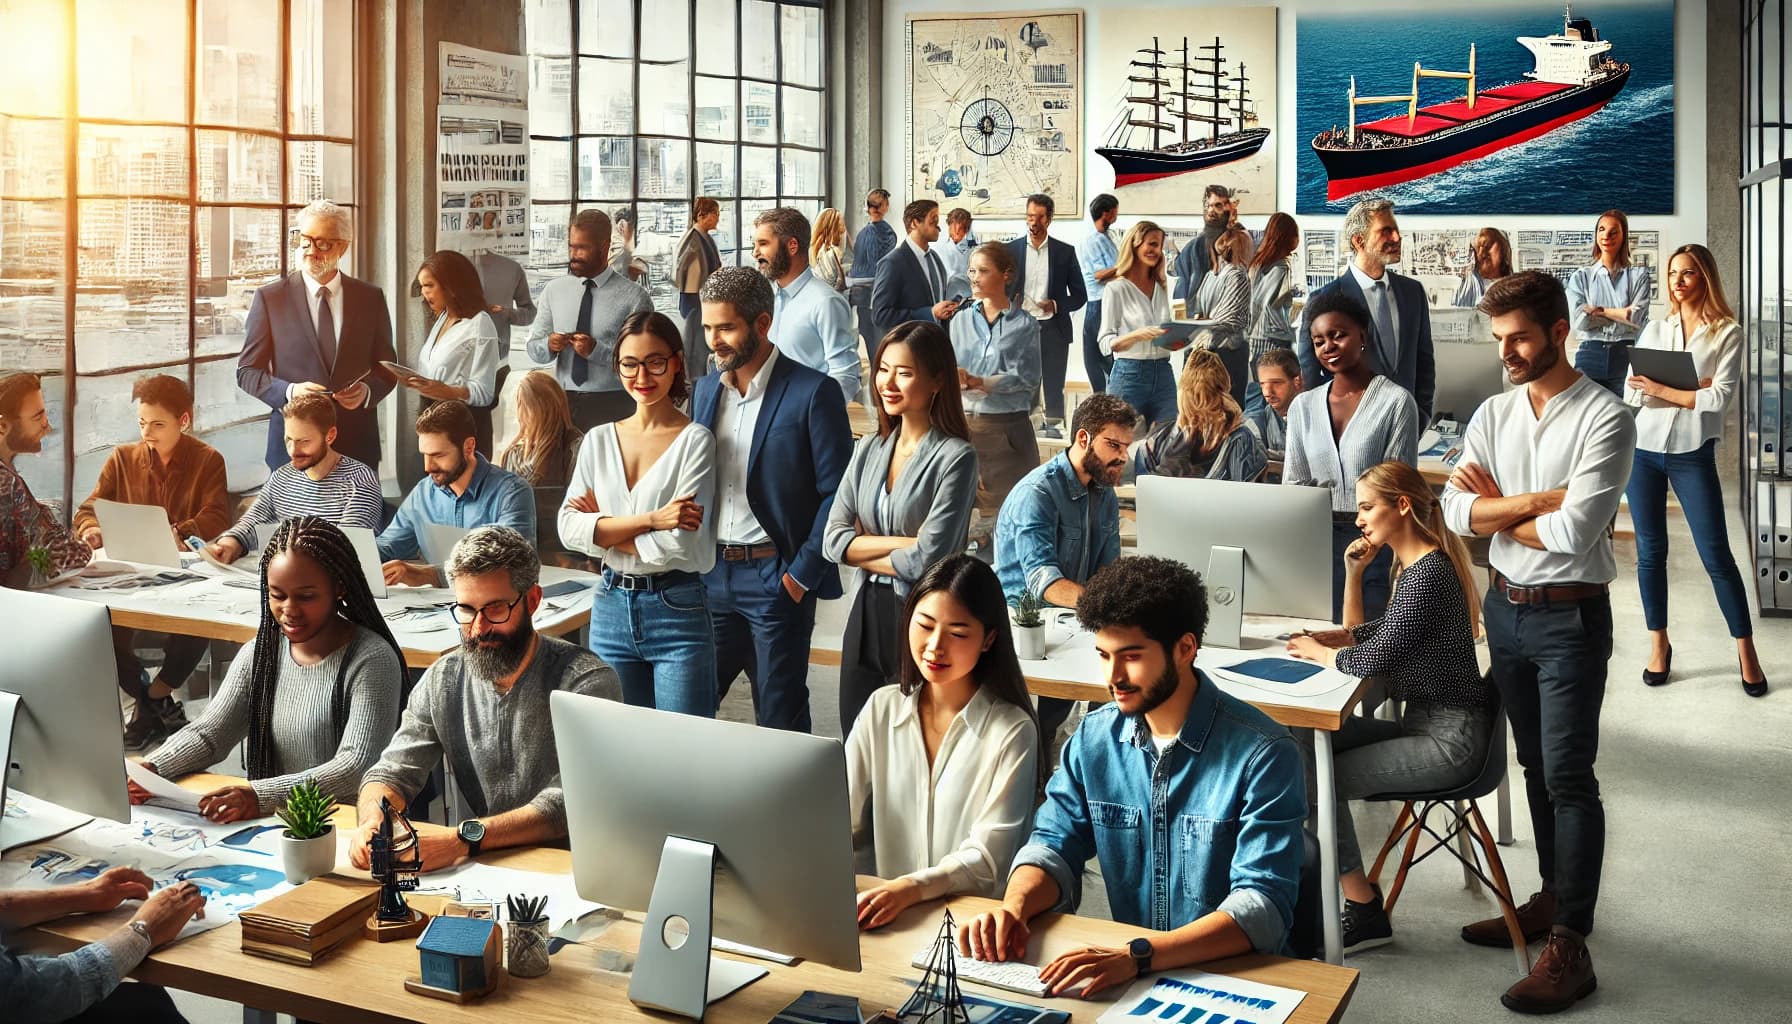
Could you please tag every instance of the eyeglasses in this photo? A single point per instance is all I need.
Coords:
(497, 613)
(323, 246)
(656, 365)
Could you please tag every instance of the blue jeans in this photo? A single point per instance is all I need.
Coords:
(1693, 476)
(1148, 386)
(1096, 365)
(1375, 574)
(1608, 365)
(759, 630)
(660, 644)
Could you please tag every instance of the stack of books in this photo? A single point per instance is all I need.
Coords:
(305, 924)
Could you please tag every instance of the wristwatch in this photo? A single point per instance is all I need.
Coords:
(140, 928)
(471, 832)
(1141, 955)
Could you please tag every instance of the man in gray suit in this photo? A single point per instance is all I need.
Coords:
(507, 298)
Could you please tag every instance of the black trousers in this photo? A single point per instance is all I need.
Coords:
(181, 655)
(133, 1003)
(1054, 359)
(870, 650)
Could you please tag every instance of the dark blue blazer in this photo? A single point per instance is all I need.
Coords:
(900, 292)
(1409, 362)
(801, 444)
(280, 347)
(1063, 280)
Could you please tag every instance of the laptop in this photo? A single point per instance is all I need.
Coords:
(137, 533)
(438, 542)
(369, 551)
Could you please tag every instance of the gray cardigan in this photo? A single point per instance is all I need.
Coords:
(931, 501)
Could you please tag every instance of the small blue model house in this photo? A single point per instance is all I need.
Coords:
(460, 954)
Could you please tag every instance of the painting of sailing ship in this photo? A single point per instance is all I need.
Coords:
(1189, 106)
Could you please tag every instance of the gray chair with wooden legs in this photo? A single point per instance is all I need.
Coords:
(1465, 822)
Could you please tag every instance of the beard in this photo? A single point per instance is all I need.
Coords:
(1160, 691)
(777, 266)
(743, 354)
(1543, 364)
(443, 479)
(1101, 474)
(1216, 223)
(493, 663)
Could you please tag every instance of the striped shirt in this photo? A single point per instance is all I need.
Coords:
(1385, 428)
(349, 496)
(1272, 308)
(1225, 299)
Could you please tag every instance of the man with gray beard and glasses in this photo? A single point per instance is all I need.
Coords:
(484, 711)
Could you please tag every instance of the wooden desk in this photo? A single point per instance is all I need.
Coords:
(363, 981)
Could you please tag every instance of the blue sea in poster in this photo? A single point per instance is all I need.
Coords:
(1622, 156)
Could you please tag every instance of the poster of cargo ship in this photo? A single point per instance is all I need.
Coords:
(1570, 117)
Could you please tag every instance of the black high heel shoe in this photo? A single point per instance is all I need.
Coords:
(1758, 689)
(1660, 678)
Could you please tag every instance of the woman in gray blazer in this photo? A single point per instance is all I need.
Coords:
(904, 503)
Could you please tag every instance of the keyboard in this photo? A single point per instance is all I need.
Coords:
(1011, 977)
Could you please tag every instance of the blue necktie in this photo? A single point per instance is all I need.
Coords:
(581, 370)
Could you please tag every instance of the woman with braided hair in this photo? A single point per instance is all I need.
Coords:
(316, 694)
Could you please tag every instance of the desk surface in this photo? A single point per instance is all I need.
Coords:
(363, 981)
(212, 609)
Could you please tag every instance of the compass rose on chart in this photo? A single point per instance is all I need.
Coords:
(986, 126)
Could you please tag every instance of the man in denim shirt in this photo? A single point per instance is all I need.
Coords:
(1061, 522)
(1192, 800)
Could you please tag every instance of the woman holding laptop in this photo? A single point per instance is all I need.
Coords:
(1134, 306)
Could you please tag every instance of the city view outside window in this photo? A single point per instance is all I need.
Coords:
(152, 156)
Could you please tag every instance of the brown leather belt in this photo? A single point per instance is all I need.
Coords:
(745, 552)
(1552, 594)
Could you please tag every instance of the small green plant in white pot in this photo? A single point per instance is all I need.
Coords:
(308, 846)
(1029, 628)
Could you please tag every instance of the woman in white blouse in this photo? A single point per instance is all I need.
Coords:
(1676, 443)
(640, 501)
(1134, 306)
(1339, 429)
(1225, 300)
(460, 357)
(942, 770)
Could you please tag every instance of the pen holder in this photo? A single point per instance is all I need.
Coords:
(527, 942)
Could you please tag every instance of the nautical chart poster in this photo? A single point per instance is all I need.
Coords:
(995, 110)
(1585, 125)
(1156, 147)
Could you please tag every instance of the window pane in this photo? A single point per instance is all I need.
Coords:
(758, 171)
(758, 43)
(129, 58)
(322, 88)
(550, 169)
(119, 161)
(238, 167)
(715, 108)
(550, 96)
(667, 34)
(760, 117)
(606, 97)
(715, 169)
(802, 173)
(320, 170)
(802, 117)
(656, 241)
(547, 25)
(810, 208)
(239, 251)
(665, 170)
(607, 27)
(219, 403)
(606, 170)
(547, 236)
(32, 320)
(802, 45)
(238, 65)
(716, 43)
(750, 209)
(131, 307)
(666, 99)
(32, 158)
(33, 78)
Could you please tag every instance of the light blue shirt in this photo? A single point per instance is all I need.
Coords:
(494, 497)
(614, 299)
(1005, 354)
(1097, 252)
(813, 325)
(1627, 289)
(1053, 528)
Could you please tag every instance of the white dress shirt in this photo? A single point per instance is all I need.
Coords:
(952, 826)
(737, 420)
(812, 324)
(614, 297)
(939, 293)
(464, 355)
(1716, 353)
(1125, 309)
(335, 290)
(687, 467)
(1584, 441)
(1369, 285)
(1038, 275)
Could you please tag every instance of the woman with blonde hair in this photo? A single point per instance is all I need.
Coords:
(543, 452)
(1424, 648)
(1224, 300)
(1209, 437)
(1134, 305)
(1676, 445)
(827, 249)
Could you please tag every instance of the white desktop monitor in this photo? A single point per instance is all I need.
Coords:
(67, 737)
(649, 792)
(1284, 530)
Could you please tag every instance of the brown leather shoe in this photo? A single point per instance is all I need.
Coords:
(1534, 919)
(1562, 976)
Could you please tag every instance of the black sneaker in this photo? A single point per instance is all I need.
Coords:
(1366, 925)
(172, 714)
(145, 727)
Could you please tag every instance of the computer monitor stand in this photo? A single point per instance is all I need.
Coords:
(673, 969)
(1225, 597)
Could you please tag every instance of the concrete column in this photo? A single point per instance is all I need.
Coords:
(855, 104)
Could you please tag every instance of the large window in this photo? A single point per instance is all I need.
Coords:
(644, 105)
(152, 155)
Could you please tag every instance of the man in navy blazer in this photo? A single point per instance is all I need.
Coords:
(1401, 341)
(913, 283)
(782, 444)
(1048, 283)
(320, 330)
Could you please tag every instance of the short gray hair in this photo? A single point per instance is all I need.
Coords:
(490, 549)
(337, 216)
(744, 288)
(787, 222)
(1363, 214)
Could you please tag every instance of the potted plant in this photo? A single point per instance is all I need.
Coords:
(308, 846)
(43, 567)
(1029, 629)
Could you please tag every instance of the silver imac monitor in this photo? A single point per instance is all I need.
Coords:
(66, 744)
(709, 822)
(1284, 531)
